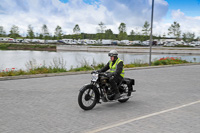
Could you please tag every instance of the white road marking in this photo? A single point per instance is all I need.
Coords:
(143, 117)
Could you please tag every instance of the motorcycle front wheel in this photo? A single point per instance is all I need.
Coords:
(87, 98)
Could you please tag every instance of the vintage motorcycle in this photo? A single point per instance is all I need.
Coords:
(100, 90)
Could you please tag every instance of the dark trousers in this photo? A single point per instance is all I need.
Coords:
(114, 80)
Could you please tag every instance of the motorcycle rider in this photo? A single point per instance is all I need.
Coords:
(116, 74)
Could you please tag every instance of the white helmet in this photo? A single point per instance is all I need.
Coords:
(113, 53)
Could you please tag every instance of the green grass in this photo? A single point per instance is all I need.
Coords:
(179, 46)
(58, 66)
(7, 46)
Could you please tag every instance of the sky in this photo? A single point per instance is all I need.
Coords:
(89, 13)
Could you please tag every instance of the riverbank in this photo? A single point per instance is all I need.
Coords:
(38, 47)
(129, 49)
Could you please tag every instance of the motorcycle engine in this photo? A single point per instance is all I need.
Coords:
(104, 80)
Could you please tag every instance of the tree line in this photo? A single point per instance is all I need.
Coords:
(102, 33)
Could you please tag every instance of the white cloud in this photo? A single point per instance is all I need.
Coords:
(111, 12)
(187, 23)
(51, 13)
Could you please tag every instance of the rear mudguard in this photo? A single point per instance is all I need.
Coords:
(130, 83)
(94, 88)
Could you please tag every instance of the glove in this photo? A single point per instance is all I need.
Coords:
(93, 72)
(98, 71)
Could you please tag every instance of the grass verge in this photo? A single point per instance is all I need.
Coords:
(58, 66)
(8, 46)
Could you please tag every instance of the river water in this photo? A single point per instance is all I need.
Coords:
(20, 59)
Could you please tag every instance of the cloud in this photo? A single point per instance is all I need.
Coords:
(135, 11)
(187, 23)
(88, 15)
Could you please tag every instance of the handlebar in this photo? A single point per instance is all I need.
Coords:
(100, 73)
(103, 74)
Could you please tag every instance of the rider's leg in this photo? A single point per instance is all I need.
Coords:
(113, 84)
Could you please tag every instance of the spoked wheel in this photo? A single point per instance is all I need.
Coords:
(87, 98)
(125, 95)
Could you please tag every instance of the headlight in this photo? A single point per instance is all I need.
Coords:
(94, 77)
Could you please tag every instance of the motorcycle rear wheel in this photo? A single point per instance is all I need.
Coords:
(87, 98)
(123, 100)
(126, 94)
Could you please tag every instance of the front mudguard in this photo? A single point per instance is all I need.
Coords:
(97, 94)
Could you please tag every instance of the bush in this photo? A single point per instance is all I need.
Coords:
(129, 65)
(169, 61)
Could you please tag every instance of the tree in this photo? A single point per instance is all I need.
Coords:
(132, 32)
(102, 27)
(174, 30)
(146, 28)
(122, 32)
(2, 32)
(109, 34)
(45, 32)
(132, 35)
(122, 27)
(101, 31)
(164, 35)
(189, 37)
(76, 29)
(14, 32)
(30, 32)
(159, 37)
(58, 33)
(40, 36)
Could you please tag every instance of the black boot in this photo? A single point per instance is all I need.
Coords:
(117, 96)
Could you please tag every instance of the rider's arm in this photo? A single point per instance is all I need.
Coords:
(105, 68)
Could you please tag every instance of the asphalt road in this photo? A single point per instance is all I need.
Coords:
(167, 101)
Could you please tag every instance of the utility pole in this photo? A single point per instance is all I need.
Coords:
(150, 42)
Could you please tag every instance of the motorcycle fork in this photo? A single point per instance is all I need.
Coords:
(103, 94)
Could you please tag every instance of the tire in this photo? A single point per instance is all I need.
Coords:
(126, 94)
(123, 100)
(87, 98)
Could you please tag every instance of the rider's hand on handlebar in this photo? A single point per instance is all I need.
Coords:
(96, 71)
(93, 72)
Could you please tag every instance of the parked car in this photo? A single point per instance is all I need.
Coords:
(169, 44)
